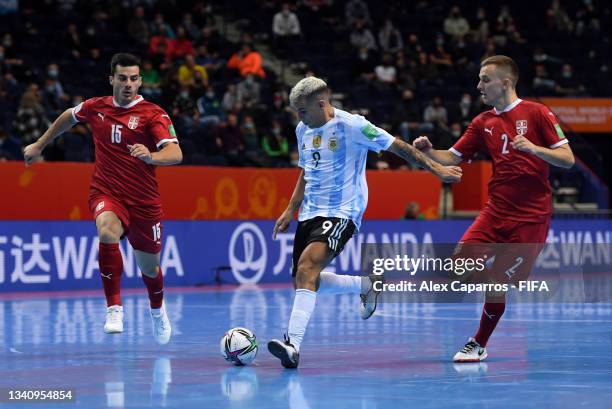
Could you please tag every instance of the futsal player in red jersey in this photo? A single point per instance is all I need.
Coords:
(131, 137)
(523, 138)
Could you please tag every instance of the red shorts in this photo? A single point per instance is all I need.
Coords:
(143, 234)
(515, 245)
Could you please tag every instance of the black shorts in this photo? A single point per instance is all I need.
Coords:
(334, 231)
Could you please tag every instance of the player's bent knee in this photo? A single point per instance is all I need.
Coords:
(150, 271)
(109, 234)
(306, 278)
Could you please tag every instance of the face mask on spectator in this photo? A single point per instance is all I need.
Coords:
(456, 133)
(210, 94)
(184, 94)
(276, 131)
(567, 74)
(52, 73)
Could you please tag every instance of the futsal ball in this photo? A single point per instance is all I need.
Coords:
(239, 346)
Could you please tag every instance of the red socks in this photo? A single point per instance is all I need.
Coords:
(111, 267)
(155, 286)
(491, 313)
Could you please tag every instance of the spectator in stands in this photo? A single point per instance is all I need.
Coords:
(231, 98)
(466, 109)
(440, 57)
(210, 62)
(252, 145)
(426, 72)
(73, 41)
(567, 84)
(190, 72)
(482, 30)
(249, 91)
(386, 74)
(542, 83)
(405, 77)
(138, 27)
(53, 97)
(436, 114)
(361, 36)
(151, 82)
(160, 41)
(413, 47)
(184, 108)
(286, 30)
(363, 65)
(247, 61)
(209, 108)
(193, 31)
(407, 119)
(355, 10)
(231, 140)
(276, 145)
(390, 38)
(159, 27)
(455, 25)
(31, 121)
(181, 46)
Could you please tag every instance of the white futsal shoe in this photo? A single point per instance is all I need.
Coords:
(161, 325)
(370, 298)
(114, 319)
(471, 352)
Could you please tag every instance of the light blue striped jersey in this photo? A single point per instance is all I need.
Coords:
(333, 157)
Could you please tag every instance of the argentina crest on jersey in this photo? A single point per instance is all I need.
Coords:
(521, 127)
(133, 122)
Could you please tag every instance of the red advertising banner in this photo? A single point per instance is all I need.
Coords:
(588, 115)
(59, 191)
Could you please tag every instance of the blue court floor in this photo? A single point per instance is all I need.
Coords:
(544, 356)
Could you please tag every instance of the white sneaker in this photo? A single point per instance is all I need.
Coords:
(471, 352)
(370, 298)
(114, 319)
(161, 326)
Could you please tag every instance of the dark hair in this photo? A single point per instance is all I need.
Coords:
(506, 63)
(124, 60)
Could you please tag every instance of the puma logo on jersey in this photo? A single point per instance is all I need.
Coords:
(489, 131)
(101, 115)
(106, 276)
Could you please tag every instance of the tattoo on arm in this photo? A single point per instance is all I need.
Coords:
(411, 155)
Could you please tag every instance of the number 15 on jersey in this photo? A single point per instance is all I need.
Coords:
(116, 133)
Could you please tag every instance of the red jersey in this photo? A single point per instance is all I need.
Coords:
(519, 189)
(116, 172)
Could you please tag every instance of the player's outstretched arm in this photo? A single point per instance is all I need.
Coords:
(447, 174)
(296, 200)
(561, 156)
(447, 158)
(169, 154)
(63, 122)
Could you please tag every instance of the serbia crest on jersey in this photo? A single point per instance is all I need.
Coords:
(333, 157)
(519, 189)
(116, 172)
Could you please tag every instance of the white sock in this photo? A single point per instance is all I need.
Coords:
(303, 305)
(339, 284)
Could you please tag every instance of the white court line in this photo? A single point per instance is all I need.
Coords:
(384, 314)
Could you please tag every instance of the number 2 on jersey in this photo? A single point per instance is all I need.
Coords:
(116, 133)
(505, 147)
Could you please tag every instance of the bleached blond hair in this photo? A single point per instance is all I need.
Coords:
(306, 88)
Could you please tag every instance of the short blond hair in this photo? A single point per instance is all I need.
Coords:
(505, 63)
(306, 88)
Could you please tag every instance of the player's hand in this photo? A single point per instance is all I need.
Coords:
(422, 143)
(31, 153)
(520, 143)
(450, 174)
(141, 152)
(282, 223)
